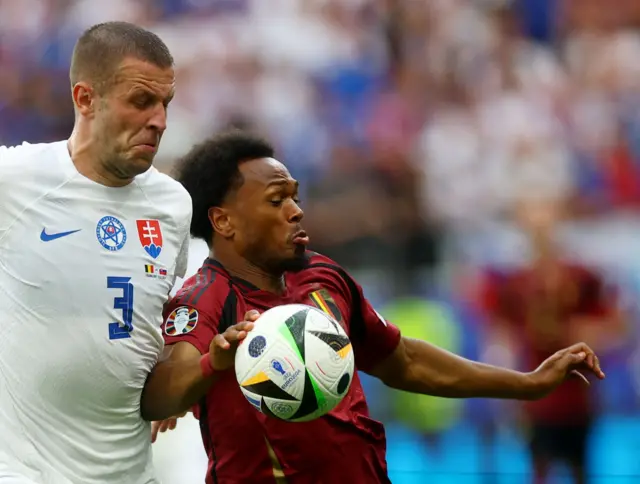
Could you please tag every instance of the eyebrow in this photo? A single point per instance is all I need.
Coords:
(282, 182)
(139, 90)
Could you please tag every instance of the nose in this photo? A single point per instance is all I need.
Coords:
(158, 119)
(297, 214)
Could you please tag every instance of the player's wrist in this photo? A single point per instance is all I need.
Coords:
(206, 366)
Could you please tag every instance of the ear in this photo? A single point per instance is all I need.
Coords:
(221, 222)
(83, 98)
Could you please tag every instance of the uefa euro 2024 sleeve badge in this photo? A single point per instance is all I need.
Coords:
(182, 320)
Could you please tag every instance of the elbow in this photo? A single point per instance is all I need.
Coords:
(428, 377)
(396, 370)
(153, 413)
(398, 381)
(148, 411)
(154, 401)
(407, 371)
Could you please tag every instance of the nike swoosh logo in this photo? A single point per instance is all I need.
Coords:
(45, 237)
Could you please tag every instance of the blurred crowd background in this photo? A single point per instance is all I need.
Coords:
(474, 163)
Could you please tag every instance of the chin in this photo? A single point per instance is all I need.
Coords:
(295, 264)
(139, 166)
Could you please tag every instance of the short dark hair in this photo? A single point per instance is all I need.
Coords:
(210, 173)
(101, 48)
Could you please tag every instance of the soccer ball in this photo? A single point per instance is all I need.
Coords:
(296, 364)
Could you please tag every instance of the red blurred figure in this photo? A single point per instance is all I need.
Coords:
(537, 310)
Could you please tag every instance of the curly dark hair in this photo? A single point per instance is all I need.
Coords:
(210, 172)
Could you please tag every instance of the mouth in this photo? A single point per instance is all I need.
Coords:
(147, 147)
(300, 238)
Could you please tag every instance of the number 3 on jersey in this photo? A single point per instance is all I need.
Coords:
(123, 303)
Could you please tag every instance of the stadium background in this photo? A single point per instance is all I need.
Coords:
(415, 127)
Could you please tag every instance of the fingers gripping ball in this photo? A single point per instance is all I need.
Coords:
(296, 365)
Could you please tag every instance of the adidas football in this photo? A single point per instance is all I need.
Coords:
(296, 364)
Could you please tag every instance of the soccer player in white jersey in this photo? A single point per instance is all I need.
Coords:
(92, 238)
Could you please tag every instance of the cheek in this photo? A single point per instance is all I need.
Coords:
(247, 231)
(278, 236)
(264, 233)
(109, 125)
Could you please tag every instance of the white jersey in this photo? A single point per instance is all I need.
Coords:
(84, 272)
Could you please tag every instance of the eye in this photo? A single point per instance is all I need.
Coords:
(142, 101)
(276, 203)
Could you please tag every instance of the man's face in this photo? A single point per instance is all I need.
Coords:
(266, 217)
(131, 116)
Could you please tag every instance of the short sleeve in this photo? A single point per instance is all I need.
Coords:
(22, 178)
(373, 337)
(184, 225)
(3, 181)
(487, 296)
(596, 297)
(194, 313)
(494, 296)
(183, 257)
(6, 182)
(189, 324)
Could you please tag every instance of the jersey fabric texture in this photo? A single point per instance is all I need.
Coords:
(245, 446)
(84, 272)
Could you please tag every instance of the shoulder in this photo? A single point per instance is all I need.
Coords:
(322, 269)
(581, 271)
(321, 264)
(26, 149)
(585, 277)
(159, 185)
(27, 171)
(509, 279)
(206, 292)
(26, 154)
(164, 192)
(317, 261)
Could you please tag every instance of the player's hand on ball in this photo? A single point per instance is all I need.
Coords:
(164, 425)
(223, 347)
(572, 362)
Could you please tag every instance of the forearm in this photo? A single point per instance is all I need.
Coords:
(430, 370)
(174, 386)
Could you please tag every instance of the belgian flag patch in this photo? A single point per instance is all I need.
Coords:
(323, 301)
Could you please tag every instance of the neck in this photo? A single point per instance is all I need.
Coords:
(88, 162)
(243, 269)
(545, 256)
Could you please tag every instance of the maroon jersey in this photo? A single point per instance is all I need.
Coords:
(541, 315)
(245, 446)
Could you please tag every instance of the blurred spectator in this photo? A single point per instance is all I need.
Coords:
(430, 321)
(541, 308)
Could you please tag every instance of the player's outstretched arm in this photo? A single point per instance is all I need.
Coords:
(419, 367)
(183, 376)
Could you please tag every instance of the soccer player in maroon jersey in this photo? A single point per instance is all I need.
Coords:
(246, 207)
(539, 308)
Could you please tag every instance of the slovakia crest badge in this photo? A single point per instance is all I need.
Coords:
(150, 236)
